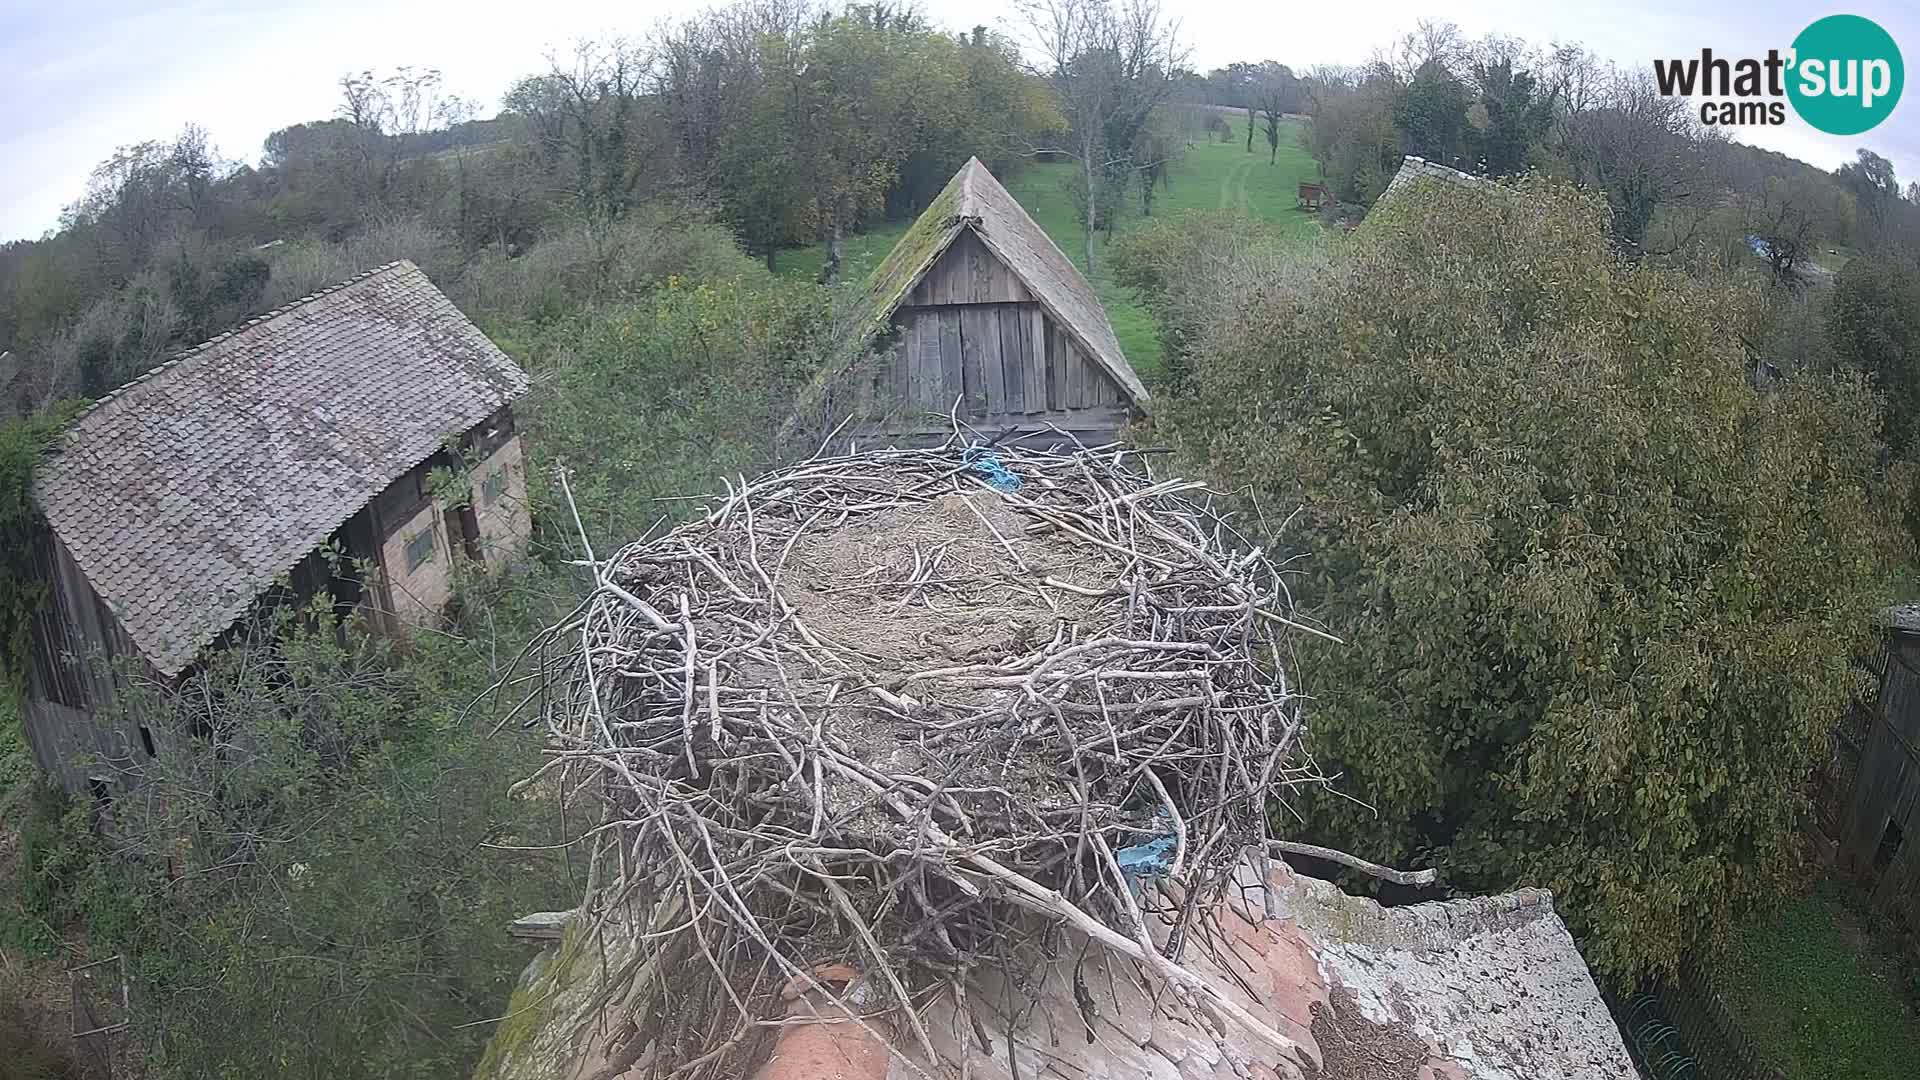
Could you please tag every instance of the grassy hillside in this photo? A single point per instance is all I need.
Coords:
(1213, 176)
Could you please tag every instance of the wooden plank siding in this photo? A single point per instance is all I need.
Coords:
(999, 359)
(1879, 841)
(967, 274)
(971, 330)
(80, 654)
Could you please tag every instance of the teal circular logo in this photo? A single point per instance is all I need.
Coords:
(1846, 74)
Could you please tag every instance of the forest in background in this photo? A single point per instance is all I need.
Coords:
(618, 217)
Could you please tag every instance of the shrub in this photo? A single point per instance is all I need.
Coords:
(313, 841)
(666, 396)
(1600, 595)
(590, 261)
(1191, 267)
(303, 267)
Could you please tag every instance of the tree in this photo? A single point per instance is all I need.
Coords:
(1639, 148)
(1110, 67)
(381, 112)
(1876, 191)
(1431, 43)
(584, 118)
(1874, 325)
(1794, 216)
(865, 73)
(1352, 135)
(1600, 597)
(1275, 94)
(1510, 116)
(1431, 113)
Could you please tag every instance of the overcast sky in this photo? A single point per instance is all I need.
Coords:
(85, 76)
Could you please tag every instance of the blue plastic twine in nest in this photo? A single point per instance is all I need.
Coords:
(987, 464)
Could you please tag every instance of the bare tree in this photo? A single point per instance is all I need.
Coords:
(382, 112)
(1429, 42)
(1276, 93)
(1638, 147)
(1111, 66)
(584, 116)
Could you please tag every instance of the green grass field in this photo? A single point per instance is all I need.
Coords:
(1809, 1004)
(1213, 176)
(1834, 259)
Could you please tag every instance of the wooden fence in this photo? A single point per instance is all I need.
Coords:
(1713, 1038)
(1834, 781)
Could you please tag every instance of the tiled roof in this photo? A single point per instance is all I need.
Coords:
(1484, 988)
(1412, 169)
(1479, 988)
(185, 493)
(973, 199)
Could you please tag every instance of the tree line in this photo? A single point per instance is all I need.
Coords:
(781, 123)
(1498, 106)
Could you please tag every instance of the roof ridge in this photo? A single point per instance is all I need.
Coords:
(186, 354)
(969, 197)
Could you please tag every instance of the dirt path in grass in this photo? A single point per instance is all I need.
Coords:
(1233, 186)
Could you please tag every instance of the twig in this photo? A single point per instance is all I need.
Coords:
(1385, 873)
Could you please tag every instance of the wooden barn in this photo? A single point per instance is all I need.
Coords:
(1867, 803)
(977, 310)
(286, 459)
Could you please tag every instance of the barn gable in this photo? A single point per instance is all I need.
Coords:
(980, 309)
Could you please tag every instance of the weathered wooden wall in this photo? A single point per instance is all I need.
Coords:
(971, 332)
(1879, 825)
(80, 654)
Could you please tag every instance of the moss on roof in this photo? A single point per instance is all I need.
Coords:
(922, 244)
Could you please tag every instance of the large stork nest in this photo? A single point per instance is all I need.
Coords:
(912, 712)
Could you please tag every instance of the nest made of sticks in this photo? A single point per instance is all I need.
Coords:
(875, 711)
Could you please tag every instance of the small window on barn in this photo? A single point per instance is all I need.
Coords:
(146, 741)
(420, 548)
(101, 788)
(494, 486)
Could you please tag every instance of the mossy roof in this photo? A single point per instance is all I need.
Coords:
(974, 200)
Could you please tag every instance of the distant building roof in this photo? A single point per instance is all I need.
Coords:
(973, 199)
(1413, 169)
(185, 493)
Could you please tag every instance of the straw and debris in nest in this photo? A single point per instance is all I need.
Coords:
(912, 712)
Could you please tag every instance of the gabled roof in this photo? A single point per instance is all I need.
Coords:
(974, 200)
(1413, 169)
(185, 493)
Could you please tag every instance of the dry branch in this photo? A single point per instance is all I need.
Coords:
(871, 711)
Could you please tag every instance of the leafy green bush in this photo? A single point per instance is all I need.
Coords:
(314, 875)
(664, 397)
(1874, 324)
(59, 877)
(1195, 264)
(1600, 594)
(605, 261)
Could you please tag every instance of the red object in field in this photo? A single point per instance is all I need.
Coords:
(1312, 195)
